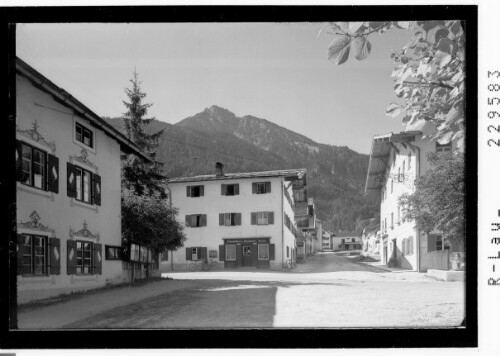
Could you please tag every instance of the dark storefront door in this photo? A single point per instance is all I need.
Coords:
(247, 255)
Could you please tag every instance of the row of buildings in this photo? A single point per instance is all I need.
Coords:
(68, 194)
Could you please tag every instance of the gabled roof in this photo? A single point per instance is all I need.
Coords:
(65, 98)
(290, 174)
(380, 155)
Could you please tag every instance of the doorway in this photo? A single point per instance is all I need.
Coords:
(247, 256)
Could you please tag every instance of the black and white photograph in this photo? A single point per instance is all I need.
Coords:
(232, 174)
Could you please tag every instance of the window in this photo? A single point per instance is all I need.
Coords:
(262, 218)
(84, 257)
(34, 255)
(230, 252)
(439, 242)
(33, 171)
(113, 252)
(195, 191)
(83, 185)
(229, 219)
(443, 148)
(196, 220)
(261, 188)
(247, 250)
(230, 189)
(195, 253)
(84, 135)
(212, 253)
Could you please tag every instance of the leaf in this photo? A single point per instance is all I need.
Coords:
(342, 26)
(440, 34)
(447, 45)
(361, 47)
(444, 139)
(393, 110)
(403, 24)
(354, 26)
(456, 28)
(442, 58)
(431, 34)
(338, 52)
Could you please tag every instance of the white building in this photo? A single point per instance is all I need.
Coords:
(396, 160)
(68, 191)
(237, 219)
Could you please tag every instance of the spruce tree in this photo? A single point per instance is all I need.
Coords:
(140, 177)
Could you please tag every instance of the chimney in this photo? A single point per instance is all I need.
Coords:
(219, 169)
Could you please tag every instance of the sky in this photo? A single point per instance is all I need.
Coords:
(275, 71)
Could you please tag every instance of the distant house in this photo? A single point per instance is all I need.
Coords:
(305, 217)
(238, 220)
(326, 241)
(67, 191)
(346, 241)
(396, 160)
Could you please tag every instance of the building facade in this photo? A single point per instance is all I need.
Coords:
(238, 220)
(68, 191)
(396, 160)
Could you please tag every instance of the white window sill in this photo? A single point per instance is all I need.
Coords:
(35, 191)
(74, 202)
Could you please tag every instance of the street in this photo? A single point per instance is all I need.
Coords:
(327, 291)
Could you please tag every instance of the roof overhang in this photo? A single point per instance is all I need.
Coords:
(65, 98)
(380, 155)
(290, 174)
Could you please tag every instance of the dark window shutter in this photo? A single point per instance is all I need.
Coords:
(223, 189)
(189, 254)
(20, 250)
(96, 189)
(71, 182)
(221, 219)
(271, 251)
(268, 187)
(71, 257)
(202, 190)
(237, 219)
(97, 258)
(19, 161)
(431, 243)
(270, 217)
(203, 252)
(188, 220)
(222, 252)
(236, 189)
(253, 218)
(254, 188)
(188, 191)
(55, 255)
(203, 220)
(53, 174)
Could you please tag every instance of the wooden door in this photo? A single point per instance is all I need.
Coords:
(247, 255)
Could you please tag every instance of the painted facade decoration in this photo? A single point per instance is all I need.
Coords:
(396, 160)
(68, 191)
(236, 220)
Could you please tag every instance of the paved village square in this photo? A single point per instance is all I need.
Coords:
(127, 217)
(329, 290)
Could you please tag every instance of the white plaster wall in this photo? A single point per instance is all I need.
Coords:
(213, 203)
(57, 211)
(402, 230)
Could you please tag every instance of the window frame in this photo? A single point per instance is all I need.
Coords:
(32, 255)
(226, 256)
(443, 148)
(261, 190)
(82, 180)
(264, 213)
(259, 252)
(228, 187)
(117, 257)
(82, 266)
(32, 166)
(83, 130)
(192, 189)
